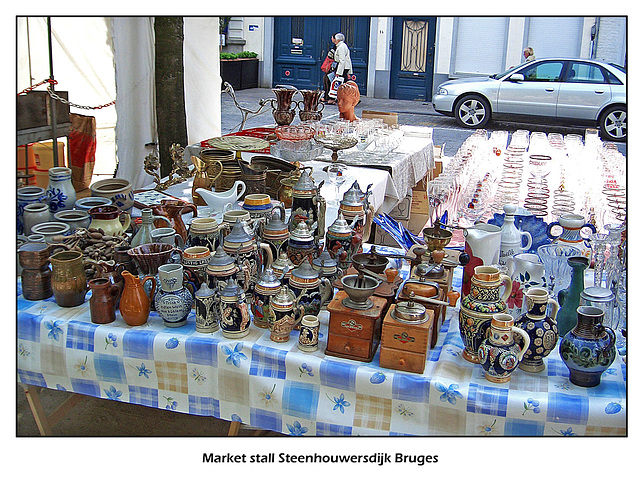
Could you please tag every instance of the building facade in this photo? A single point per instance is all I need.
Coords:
(408, 57)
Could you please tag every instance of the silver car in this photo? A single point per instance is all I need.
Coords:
(564, 89)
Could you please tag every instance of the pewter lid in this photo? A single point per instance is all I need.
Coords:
(340, 225)
(352, 197)
(220, 258)
(305, 182)
(205, 291)
(269, 279)
(238, 233)
(324, 260)
(305, 271)
(597, 294)
(410, 311)
(301, 233)
(232, 289)
(284, 297)
(275, 222)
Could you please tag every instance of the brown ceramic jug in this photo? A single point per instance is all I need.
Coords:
(135, 305)
(174, 210)
(102, 303)
(68, 280)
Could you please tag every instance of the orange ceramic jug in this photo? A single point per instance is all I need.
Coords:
(135, 305)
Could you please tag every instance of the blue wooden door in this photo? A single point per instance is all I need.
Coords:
(301, 45)
(412, 56)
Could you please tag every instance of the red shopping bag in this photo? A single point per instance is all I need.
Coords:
(326, 65)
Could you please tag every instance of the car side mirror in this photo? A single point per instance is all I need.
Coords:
(516, 77)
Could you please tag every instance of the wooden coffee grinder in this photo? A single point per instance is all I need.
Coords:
(355, 319)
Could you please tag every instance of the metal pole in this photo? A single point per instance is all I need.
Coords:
(52, 102)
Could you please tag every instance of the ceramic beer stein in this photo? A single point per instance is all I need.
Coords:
(301, 245)
(286, 314)
(541, 328)
(203, 232)
(195, 261)
(313, 291)
(340, 241)
(309, 333)
(499, 354)
(275, 232)
(205, 305)
(308, 206)
(477, 308)
(234, 311)
(267, 286)
(282, 267)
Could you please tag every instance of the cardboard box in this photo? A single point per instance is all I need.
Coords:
(40, 160)
(403, 209)
(419, 202)
(417, 222)
(389, 118)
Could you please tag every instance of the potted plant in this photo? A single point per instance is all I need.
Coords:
(239, 69)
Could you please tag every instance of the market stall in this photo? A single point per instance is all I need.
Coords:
(271, 310)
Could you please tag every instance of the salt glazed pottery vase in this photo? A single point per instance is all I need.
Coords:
(569, 298)
(102, 304)
(499, 354)
(135, 304)
(60, 192)
(572, 225)
(172, 299)
(118, 190)
(26, 196)
(478, 308)
(68, 280)
(589, 348)
(541, 328)
(34, 214)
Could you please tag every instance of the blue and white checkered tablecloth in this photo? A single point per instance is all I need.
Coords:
(278, 387)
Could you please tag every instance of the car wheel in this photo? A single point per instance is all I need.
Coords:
(473, 111)
(613, 124)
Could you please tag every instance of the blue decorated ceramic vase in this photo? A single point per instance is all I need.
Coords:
(541, 328)
(60, 192)
(589, 348)
(173, 301)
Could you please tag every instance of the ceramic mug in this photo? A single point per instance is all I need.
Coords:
(167, 235)
(195, 261)
(309, 333)
(233, 216)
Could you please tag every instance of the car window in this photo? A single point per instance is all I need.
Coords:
(543, 72)
(585, 73)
